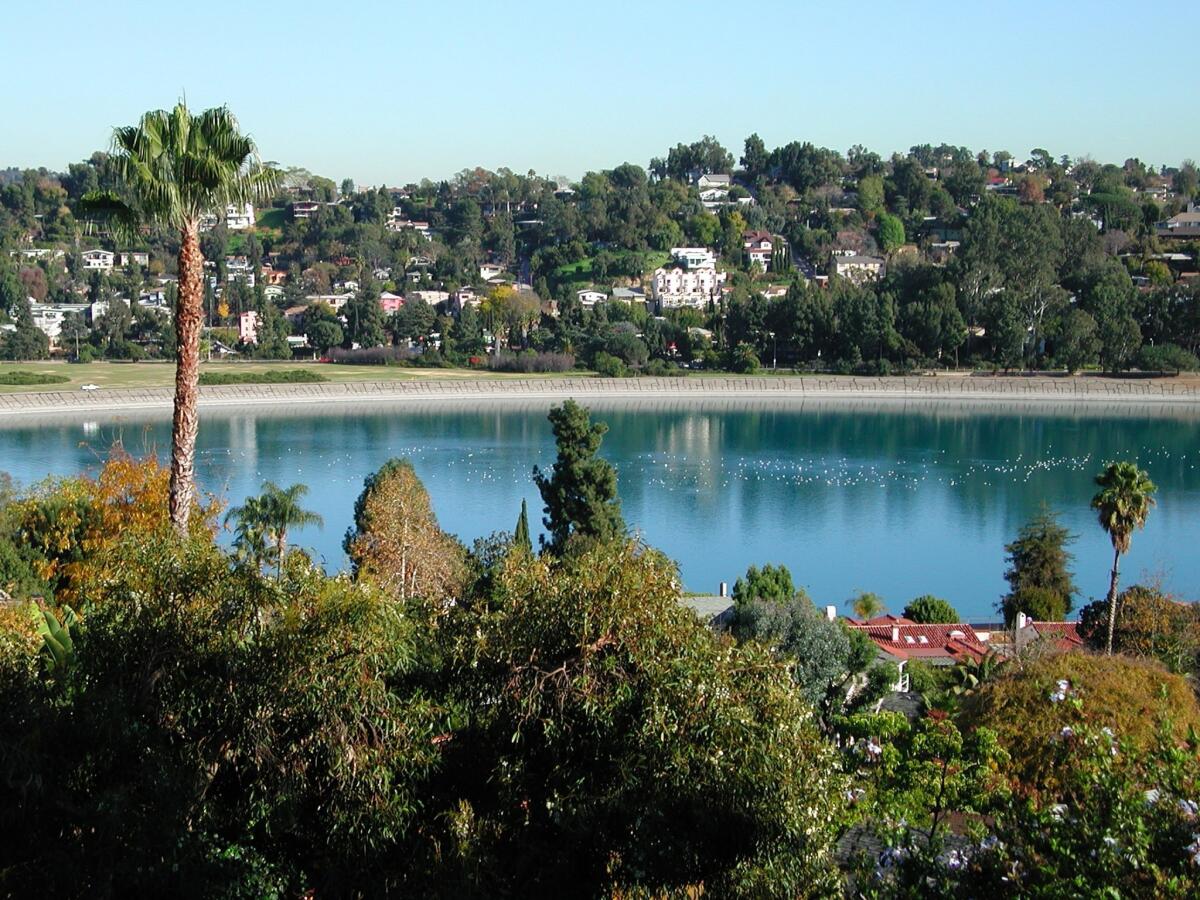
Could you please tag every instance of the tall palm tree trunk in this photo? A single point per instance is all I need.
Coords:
(189, 318)
(280, 549)
(1112, 598)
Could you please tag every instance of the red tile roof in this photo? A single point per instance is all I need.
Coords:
(1064, 634)
(957, 642)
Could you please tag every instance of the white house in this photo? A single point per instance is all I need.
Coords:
(98, 260)
(694, 257)
(135, 258)
(335, 301)
(589, 298)
(305, 209)
(629, 295)
(708, 181)
(239, 217)
(48, 317)
(273, 291)
(248, 327)
(239, 268)
(858, 269)
(488, 271)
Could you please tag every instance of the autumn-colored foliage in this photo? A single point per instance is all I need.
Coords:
(71, 522)
(1030, 702)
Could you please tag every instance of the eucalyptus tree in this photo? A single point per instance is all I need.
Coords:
(175, 169)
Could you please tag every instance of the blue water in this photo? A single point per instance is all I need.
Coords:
(851, 495)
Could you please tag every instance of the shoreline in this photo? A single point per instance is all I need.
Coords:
(925, 389)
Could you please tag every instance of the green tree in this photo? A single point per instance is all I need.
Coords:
(1038, 575)
(268, 518)
(929, 609)
(521, 532)
(175, 168)
(868, 605)
(891, 232)
(28, 341)
(770, 583)
(1122, 505)
(1077, 343)
(580, 491)
(364, 319)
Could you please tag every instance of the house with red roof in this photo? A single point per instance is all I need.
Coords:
(899, 640)
(1061, 636)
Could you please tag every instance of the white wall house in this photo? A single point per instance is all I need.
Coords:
(48, 317)
(694, 257)
(239, 217)
(98, 260)
(675, 287)
(589, 298)
(858, 269)
(135, 258)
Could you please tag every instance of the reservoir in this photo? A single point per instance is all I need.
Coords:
(898, 497)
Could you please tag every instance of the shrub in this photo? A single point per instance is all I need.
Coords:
(607, 366)
(1149, 624)
(1029, 703)
(531, 361)
(281, 376)
(661, 368)
(1166, 358)
(743, 359)
(931, 610)
(20, 376)
(373, 356)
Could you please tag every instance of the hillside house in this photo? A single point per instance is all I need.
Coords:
(98, 260)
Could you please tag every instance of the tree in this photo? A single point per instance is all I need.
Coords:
(1077, 343)
(580, 492)
(176, 168)
(1149, 624)
(818, 649)
(521, 532)
(602, 715)
(1038, 576)
(928, 609)
(268, 517)
(1122, 505)
(396, 542)
(28, 341)
(770, 583)
(891, 232)
(868, 605)
(364, 319)
(755, 158)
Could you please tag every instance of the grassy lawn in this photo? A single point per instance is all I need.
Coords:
(581, 272)
(115, 375)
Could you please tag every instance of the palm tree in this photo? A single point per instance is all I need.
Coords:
(268, 518)
(176, 168)
(1122, 505)
(867, 605)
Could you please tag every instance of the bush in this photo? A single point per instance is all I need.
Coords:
(373, 356)
(1149, 624)
(1166, 358)
(661, 368)
(743, 359)
(931, 610)
(20, 376)
(1024, 706)
(87, 353)
(531, 361)
(607, 366)
(281, 376)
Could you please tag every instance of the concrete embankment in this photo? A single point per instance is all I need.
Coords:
(915, 388)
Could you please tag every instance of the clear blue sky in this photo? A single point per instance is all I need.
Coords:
(389, 92)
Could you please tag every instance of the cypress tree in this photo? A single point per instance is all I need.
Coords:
(521, 534)
(580, 491)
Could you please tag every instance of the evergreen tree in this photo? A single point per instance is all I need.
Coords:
(364, 319)
(1040, 583)
(28, 341)
(580, 491)
(521, 533)
(273, 333)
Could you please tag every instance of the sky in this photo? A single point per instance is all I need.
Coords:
(392, 92)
